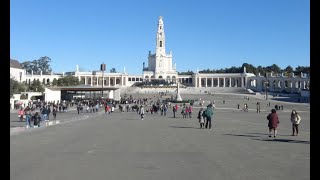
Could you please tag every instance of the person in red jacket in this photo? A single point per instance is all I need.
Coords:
(273, 122)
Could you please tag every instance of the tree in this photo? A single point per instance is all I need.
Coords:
(288, 70)
(249, 68)
(68, 81)
(54, 82)
(113, 70)
(42, 64)
(36, 86)
(186, 73)
(302, 69)
(13, 86)
(16, 87)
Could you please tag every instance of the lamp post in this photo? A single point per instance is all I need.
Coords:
(102, 68)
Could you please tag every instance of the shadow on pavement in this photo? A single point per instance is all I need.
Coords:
(284, 140)
(244, 135)
(265, 134)
(184, 127)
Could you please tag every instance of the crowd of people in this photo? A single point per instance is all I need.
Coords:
(36, 112)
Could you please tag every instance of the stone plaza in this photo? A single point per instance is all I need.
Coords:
(122, 146)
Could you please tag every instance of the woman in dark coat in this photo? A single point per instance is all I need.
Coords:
(273, 122)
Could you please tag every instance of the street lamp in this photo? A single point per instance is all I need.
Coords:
(102, 68)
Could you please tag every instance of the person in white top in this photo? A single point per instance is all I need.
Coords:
(295, 119)
(142, 112)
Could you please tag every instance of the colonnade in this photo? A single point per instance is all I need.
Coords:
(220, 82)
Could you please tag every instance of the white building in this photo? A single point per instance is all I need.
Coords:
(160, 64)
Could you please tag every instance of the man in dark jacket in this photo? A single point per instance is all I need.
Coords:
(208, 114)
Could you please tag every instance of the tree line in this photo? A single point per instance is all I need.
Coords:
(255, 70)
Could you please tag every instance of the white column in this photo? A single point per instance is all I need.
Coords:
(224, 82)
(97, 80)
(199, 81)
(108, 80)
(195, 81)
(229, 82)
(206, 82)
(121, 81)
(242, 82)
(91, 80)
(211, 82)
(218, 85)
(85, 80)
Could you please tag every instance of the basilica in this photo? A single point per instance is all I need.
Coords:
(161, 67)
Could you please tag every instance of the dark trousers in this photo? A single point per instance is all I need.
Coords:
(295, 128)
(208, 122)
(174, 114)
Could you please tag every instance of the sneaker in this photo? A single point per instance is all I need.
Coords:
(27, 126)
(292, 134)
(297, 134)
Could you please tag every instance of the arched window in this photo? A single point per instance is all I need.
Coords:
(48, 81)
(160, 77)
(160, 43)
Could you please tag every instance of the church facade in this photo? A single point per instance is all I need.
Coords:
(160, 66)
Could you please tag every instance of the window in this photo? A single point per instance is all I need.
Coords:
(129, 79)
(160, 27)
(160, 43)
(137, 79)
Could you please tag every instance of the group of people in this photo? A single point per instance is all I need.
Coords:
(34, 115)
(273, 121)
(205, 116)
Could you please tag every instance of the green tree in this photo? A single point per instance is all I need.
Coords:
(54, 82)
(113, 70)
(14, 85)
(186, 73)
(249, 68)
(302, 69)
(68, 81)
(42, 64)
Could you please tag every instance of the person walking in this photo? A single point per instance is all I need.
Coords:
(258, 107)
(21, 114)
(27, 112)
(208, 114)
(174, 110)
(190, 111)
(201, 118)
(273, 122)
(142, 112)
(44, 113)
(295, 119)
(78, 108)
(54, 112)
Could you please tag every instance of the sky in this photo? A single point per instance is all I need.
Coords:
(201, 34)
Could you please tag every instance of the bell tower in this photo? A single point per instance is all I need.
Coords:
(160, 39)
